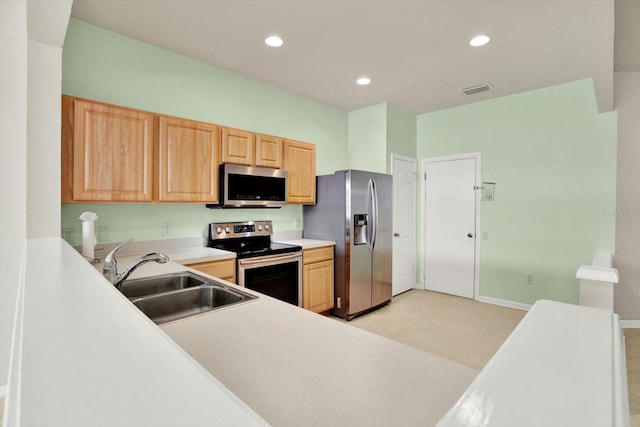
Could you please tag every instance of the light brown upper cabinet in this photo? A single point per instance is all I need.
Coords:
(188, 160)
(269, 151)
(107, 152)
(118, 154)
(300, 162)
(247, 148)
(238, 147)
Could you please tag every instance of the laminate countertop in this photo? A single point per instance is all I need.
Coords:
(309, 243)
(84, 355)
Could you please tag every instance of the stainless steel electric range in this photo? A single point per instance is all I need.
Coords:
(271, 268)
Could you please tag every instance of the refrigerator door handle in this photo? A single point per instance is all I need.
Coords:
(374, 207)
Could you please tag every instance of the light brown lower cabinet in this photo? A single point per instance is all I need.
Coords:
(317, 279)
(224, 269)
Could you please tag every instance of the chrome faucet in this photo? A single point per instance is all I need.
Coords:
(110, 268)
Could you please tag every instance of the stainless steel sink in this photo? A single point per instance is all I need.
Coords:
(176, 296)
(134, 288)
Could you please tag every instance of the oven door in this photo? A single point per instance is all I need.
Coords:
(279, 276)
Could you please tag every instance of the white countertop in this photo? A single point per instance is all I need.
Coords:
(563, 365)
(309, 243)
(85, 356)
(297, 368)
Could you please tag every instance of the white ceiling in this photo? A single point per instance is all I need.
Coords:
(416, 52)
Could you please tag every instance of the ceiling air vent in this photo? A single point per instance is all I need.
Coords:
(482, 87)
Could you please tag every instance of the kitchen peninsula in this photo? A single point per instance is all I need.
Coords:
(85, 356)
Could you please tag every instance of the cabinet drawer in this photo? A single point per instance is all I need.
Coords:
(317, 254)
(225, 269)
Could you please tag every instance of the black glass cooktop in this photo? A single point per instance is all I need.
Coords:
(249, 247)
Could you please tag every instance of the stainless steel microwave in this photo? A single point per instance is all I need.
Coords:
(252, 187)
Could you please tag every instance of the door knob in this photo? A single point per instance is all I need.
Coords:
(396, 235)
(470, 235)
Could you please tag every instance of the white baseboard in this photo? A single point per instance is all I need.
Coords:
(630, 324)
(504, 303)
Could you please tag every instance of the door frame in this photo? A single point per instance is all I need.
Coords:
(423, 218)
(414, 210)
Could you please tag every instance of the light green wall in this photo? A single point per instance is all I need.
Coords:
(376, 132)
(105, 66)
(401, 133)
(553, 158)
(368, 138)
(144, 221)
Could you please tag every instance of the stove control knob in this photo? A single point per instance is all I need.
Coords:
(218, 230)
(227, 230)
(259, 227)
(266, 227)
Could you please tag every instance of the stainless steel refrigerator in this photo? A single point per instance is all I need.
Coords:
(354, 208)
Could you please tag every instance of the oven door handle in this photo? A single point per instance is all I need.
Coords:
(270, 259)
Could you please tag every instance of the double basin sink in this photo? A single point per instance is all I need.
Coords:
(179, 295)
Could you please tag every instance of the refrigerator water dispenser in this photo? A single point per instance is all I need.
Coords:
(360, 229)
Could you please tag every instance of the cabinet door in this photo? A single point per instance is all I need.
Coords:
(269, 151)
(317, 286)
(112, 153)
(225, 269)
(188, 161)
(238, 147)
(300, 162)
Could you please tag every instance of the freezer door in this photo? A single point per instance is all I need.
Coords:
(359, 262)
(383, 246)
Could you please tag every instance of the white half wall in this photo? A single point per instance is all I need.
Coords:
(627, 255)
(31, 37)
(43, 136)
(13, 171)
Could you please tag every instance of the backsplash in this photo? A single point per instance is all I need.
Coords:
(153, 221)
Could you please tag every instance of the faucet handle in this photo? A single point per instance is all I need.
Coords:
(110, 260)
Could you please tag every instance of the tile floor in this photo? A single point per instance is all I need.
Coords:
(459, 329)
(632, 346)
(469, 332)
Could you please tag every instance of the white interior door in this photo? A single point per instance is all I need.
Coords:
(451, 220)
(404, 223)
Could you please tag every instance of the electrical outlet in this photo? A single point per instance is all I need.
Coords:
(166, 229)
(338, 302)
(297, 223)
(67, 234)
(104, 234)
(485, 235)
(529, 280)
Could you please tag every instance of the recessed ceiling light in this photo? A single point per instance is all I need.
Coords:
(273, 41)
(480, 40)
(363, 81)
